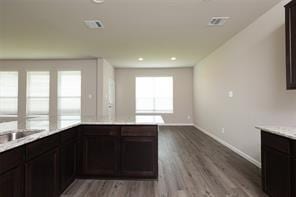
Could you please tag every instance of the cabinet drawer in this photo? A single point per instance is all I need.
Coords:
(276, 142)
(40, 146)
(11, 159)
(101, 130)
(69, 135)
(139, 131)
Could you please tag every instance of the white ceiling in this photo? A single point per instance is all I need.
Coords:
(153, 29)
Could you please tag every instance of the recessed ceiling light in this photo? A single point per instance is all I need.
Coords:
(98, 1)
(173, 58)
(140, 59)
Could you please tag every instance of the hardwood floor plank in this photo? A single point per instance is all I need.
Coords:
(191, 164)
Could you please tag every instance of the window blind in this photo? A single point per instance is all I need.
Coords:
(69, 93)
(8, 93)
(37, 93)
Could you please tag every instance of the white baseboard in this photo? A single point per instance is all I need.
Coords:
(231, 147)
(177, 124)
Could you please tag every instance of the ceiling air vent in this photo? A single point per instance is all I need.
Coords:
(94, 24)
(218, 21)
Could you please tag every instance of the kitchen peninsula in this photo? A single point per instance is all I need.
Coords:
(278, 156)
(43, 156)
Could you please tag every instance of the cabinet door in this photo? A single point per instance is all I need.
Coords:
(12, 183)
(68, 164)
(100, 155)
(294, 178)
(291, 44)
(276, 173)
(42, 175)
(139, 157)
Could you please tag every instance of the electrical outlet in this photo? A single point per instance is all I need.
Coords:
(189, 117)
(223, 130)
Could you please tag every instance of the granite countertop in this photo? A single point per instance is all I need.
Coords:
(285, 131)
(53, 125)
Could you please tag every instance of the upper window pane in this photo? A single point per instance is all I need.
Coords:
(154, 94)
(69, 93)
(38, 93)
(8, 93)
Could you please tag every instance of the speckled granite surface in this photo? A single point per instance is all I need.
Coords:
(53, 125)
(289, 132)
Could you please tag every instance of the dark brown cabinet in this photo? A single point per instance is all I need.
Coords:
(42, 175)
(68, 157)
(278, 165)
(47, 166)
(291, 44)
(100, 151)
(42, 167)
(276, 168)
(139, 151)
(294, 178)
(12, 173)
(12, 183)
(138, 157)
(119, 151)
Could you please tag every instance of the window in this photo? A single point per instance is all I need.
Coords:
(69, 93)
(154, 94)
(38, 93)
(8, 93)
(38, 123)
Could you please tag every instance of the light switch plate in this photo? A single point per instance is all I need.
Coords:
(230, 94)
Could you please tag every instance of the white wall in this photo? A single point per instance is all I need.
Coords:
(92, 81)
(183, 92)
(252, 65)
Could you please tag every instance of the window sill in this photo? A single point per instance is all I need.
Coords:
(153, 112)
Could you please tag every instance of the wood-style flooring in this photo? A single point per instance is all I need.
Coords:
(190, 164)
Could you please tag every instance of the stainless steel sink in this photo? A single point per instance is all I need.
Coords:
(7, 137)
